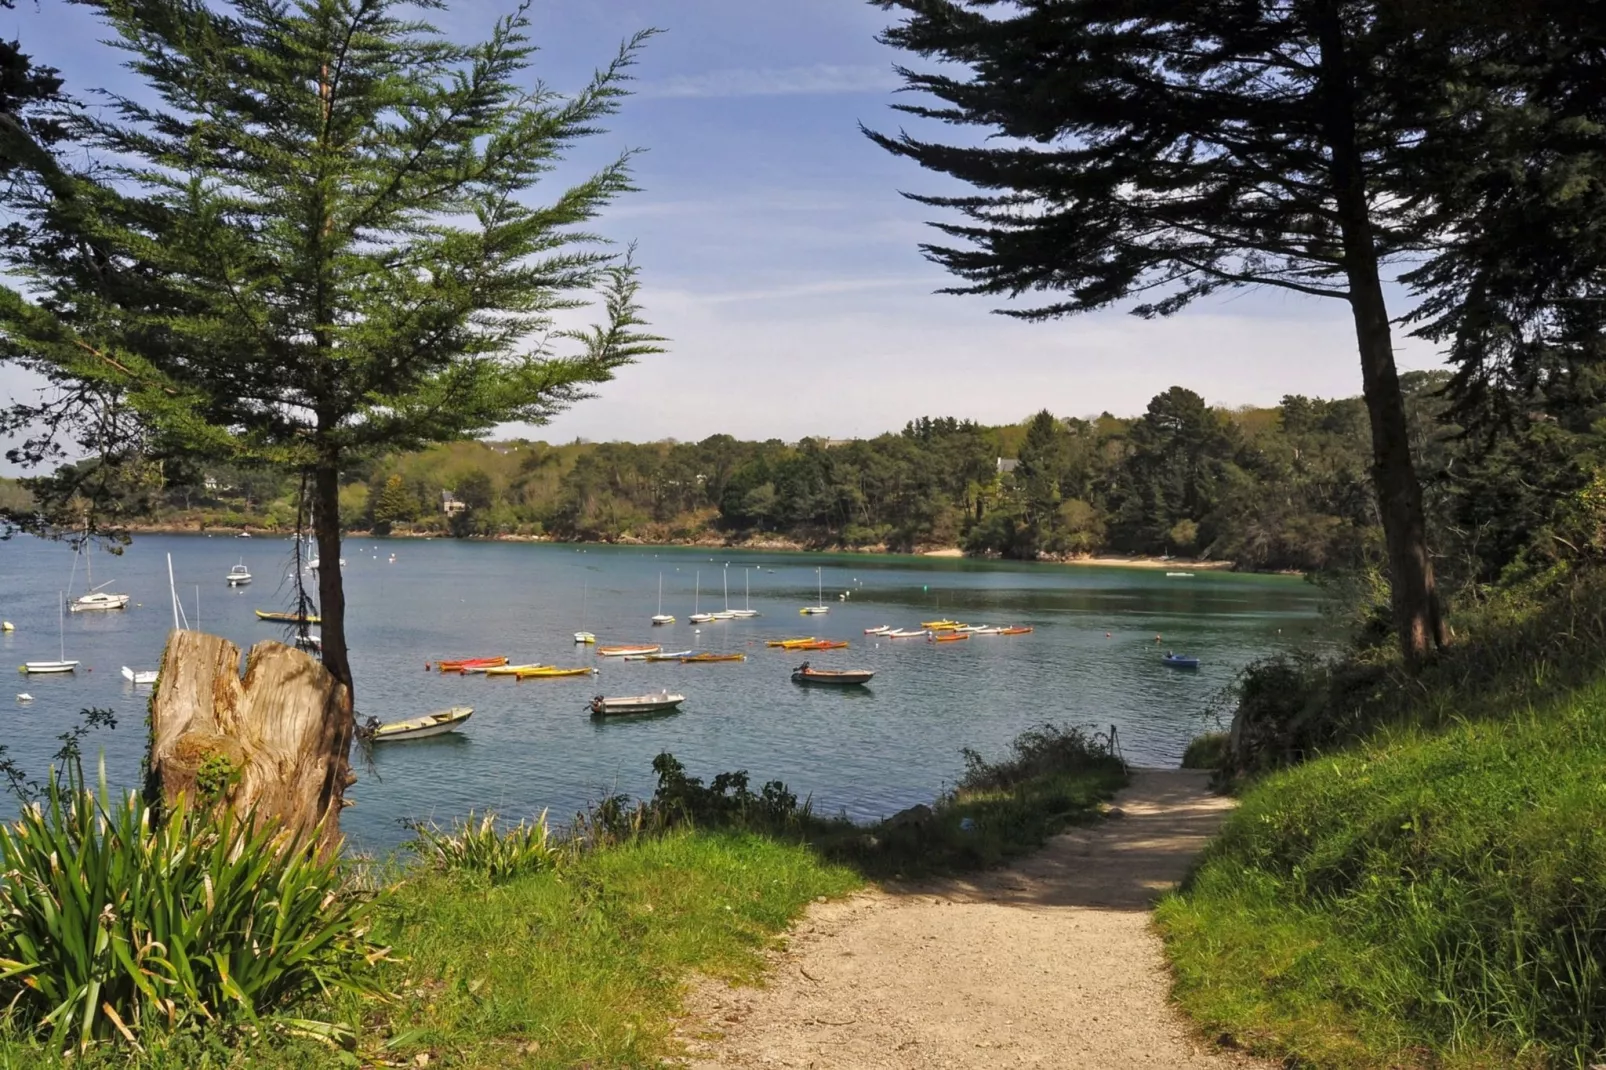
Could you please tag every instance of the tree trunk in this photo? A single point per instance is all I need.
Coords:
(1415, 597)
(276, 742)
(331, 592)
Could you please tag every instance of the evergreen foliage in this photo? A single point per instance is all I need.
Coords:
(1161, 152)
(314, 241)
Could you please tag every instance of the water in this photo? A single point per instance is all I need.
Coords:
(530, 746)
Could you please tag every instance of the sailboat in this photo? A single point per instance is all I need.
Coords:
(698, 616)
(583, 636)
(61, 634)
(747, 591)
(819, 594)
(726, 613)
(661, 617)
(96, 598)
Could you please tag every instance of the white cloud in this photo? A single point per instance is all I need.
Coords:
(774, 81)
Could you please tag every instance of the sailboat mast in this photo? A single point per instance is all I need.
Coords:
(697, 598)
(727, 575)
(61, 625)
(660, 594)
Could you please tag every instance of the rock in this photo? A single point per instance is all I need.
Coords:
(1114, 811)
(918, 816)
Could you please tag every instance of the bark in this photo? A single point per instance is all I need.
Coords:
(331, 593)
(281, 735)
(1417, 619)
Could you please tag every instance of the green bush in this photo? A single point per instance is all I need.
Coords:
(1209, 751)
(485, 848)
(114, 924)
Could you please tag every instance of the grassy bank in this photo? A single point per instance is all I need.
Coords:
(509, 949)
(1433, 894)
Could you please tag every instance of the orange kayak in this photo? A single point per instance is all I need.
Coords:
(469, 663)
(1014, 631)
(949, 637)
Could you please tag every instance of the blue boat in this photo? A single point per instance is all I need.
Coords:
(1178, 661)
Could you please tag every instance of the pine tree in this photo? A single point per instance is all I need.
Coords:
(315, 242)
(1165, 151)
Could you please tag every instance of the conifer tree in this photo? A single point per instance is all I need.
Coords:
(313, 237)
(1163, 151)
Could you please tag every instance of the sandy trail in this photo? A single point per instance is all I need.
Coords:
(1050, 963)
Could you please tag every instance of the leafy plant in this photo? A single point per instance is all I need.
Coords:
(486, 848)
(114, 925)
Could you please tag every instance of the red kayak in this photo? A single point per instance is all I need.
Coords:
(467, 664)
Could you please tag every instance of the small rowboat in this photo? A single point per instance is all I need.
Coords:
(883, 630)
(949, 637)
(1179, 661)
(902, 634)
(552, 672)
(839, 678)
(622, 651)
(431, 724)
(288, 618)
(663, 655)
(663, 702)
(470, 664)
(991, 629)
(511, 670)
(1016, 629)
(822, 644)
(141, 676)
(701, 659)
(791, 644)
(934, 625)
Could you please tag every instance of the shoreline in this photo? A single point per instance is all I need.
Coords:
(771, 543)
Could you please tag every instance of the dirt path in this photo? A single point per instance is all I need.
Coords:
(1050, 963)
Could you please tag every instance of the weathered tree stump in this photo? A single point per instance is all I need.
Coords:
(276, 741)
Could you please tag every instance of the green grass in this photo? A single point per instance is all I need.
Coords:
(1425, 898)
(508, 953)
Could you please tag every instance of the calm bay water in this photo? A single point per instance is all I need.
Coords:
(530, 746)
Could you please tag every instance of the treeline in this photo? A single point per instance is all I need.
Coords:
(1285, 487)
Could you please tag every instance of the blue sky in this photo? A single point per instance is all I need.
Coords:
(781, 262)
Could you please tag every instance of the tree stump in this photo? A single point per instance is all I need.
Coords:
(276, 741)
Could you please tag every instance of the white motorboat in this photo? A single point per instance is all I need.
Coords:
(662, 702)
(311, 641)
(431, 724)
(138, 677)
(239, 575)
(661, 617)
(63, 665)
(819, 595)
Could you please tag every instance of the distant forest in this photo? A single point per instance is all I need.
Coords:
(1264, 488)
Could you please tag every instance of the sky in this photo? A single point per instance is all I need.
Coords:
(780, 259)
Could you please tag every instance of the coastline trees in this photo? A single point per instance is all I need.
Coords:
(1164, 151)
(311, 241)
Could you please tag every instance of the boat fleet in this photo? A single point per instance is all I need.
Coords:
(441, 722)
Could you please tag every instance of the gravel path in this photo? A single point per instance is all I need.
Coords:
(1050, 963)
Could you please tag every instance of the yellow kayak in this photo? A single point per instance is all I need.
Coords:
(550, 671)
(513, 670)
(790, 644)
(287, 618)
(936, 625)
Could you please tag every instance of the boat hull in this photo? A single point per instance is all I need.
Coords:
(635, 705)
(822, 678)
(621, 651)
(425, 727)
(1180, 663)
(287, 618)
(96, 601)
(35, 668)
(148, 676)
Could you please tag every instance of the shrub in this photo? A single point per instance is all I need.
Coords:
(1040, 752)
(1209, 751)
(485, 848)
(113, 924)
